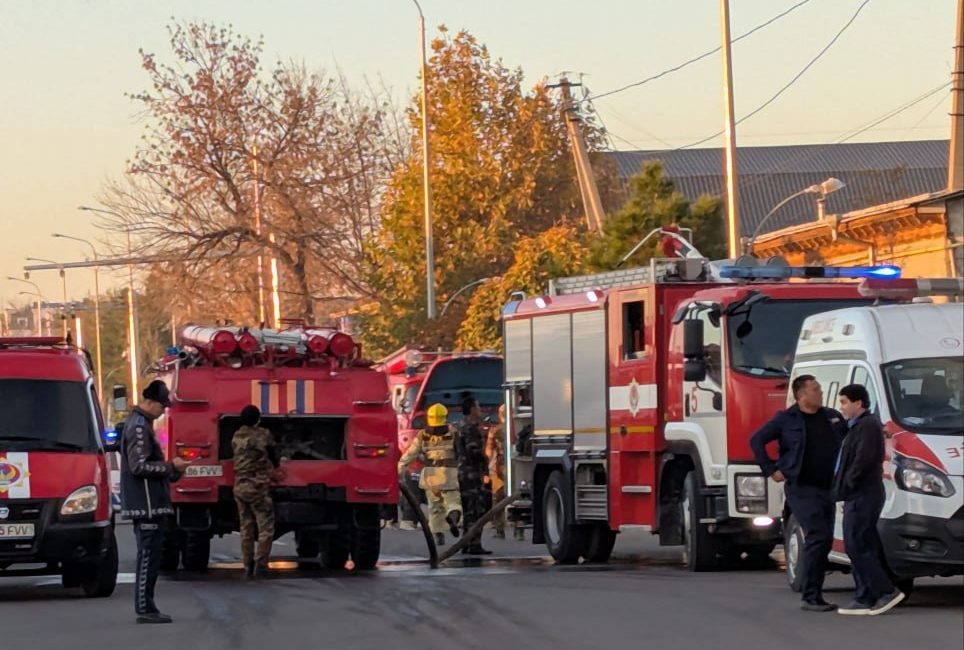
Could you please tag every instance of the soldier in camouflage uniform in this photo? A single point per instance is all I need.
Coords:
(256, 459)
(473, 471)
(435, 445)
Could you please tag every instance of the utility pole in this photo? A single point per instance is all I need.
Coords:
(729, 131)
(257, 230)
(587, 180)
(431, 307)
(955, 161)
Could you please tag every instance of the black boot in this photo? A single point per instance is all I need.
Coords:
(440, 539)
(476, 549)
(249, 570)
(453, 518)
(153, 618)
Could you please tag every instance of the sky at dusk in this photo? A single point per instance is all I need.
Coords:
(67, 126)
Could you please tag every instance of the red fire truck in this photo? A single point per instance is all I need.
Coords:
(55, 500)
(633, 394)
(330, 413)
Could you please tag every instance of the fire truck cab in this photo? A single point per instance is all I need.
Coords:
(55, 501)
(632, 396)
(910, 356)
(331, 415)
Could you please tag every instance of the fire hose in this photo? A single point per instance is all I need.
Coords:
(434, 558)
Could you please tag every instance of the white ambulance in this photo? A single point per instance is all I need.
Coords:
(910, 356)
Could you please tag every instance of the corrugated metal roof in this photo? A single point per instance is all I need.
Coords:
(874, 173)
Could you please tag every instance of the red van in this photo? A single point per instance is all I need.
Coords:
(55, 500)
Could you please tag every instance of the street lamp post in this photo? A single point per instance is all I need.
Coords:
(63, 281)
(822, 190)
(426, 178)
(40, 298)
(131, 307)
(455, 295)
(93, 250)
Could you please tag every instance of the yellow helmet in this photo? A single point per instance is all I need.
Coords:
(437, 415)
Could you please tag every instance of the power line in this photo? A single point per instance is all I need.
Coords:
(940, 100)
(679, 67)
(792, 81)
(890, 114)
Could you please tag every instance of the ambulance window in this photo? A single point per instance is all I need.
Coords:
(832, 378)
(862, 376)
(634, 343)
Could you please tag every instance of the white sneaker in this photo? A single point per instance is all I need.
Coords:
(887, 602)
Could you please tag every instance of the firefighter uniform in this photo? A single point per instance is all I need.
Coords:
(435, 446)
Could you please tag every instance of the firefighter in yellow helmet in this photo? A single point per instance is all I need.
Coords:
(435, 447)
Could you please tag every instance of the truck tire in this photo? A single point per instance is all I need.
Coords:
(170, 552)
(197, 551)
(793, 549)
(337, 548)
(365, 547)
(700, 548)
(101, 578)
(565, 540)
(601, 542)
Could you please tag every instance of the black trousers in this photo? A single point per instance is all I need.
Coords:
(814, 509)
(862, 543)
(149, 534)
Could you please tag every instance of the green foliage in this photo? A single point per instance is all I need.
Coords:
(654, 202)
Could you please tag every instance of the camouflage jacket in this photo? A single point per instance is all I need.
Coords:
(255, 457)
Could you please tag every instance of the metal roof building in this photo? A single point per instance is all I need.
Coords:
(874, 173)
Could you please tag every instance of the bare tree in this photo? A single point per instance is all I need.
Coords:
(218, 131)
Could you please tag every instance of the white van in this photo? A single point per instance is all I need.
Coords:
(910, 356)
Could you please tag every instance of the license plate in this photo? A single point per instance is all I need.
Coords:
(16, 531)
(203, 471)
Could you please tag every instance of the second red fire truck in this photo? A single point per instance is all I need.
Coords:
(331, 415)
(632, 396)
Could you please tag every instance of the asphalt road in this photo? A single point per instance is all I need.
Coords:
(517, 599)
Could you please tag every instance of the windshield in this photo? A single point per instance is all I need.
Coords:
(450, 381)
(43, 414)
(763, 337)
(926, 394)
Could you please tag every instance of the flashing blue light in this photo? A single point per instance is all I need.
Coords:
(172, 351)
(886, 272)
(110, 435)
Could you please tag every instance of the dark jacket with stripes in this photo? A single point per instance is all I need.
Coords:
(145, 475)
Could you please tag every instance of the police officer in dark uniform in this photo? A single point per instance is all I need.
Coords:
(809, 436)
(145, 494)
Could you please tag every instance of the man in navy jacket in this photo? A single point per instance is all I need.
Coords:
(809, 437)
(859, 483)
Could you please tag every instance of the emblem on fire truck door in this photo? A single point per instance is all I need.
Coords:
(633, 397)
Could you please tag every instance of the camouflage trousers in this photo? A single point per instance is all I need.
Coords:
(475, 503)
(256, 518)
(440, 504)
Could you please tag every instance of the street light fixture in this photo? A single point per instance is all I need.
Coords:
(131, 307)
(822, 190)
(38, 325)
(63, 280)
(93, 250)
(455, 295)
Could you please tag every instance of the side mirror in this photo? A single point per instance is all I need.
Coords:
(693, 339)
(119, 397)
(405, 405)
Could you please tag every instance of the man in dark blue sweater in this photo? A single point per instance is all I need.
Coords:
(809, 436)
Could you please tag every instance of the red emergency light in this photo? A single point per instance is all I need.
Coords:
(911, 288)
(341, 345)
(318, 344)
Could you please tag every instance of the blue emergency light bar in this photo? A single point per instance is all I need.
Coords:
(886, 272)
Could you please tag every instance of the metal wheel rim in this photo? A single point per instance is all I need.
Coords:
(793, 555)
(554, 517)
